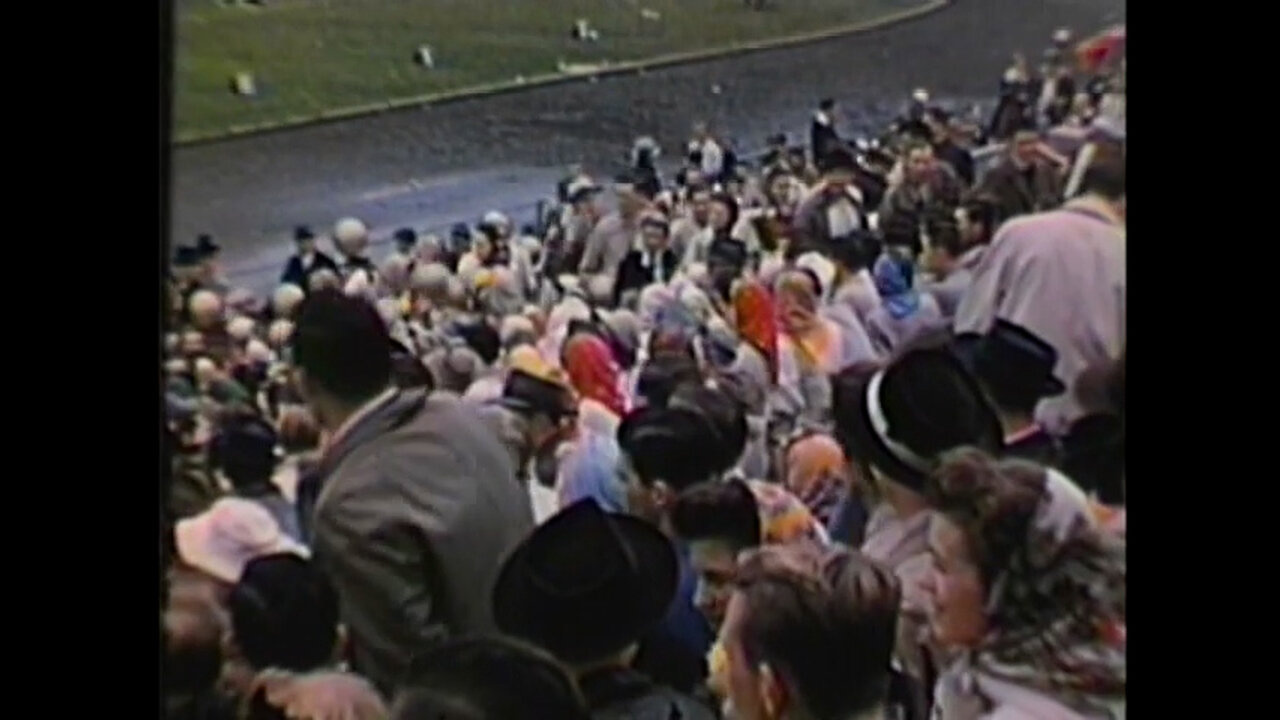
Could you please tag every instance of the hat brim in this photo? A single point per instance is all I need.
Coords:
(518, 603)
(860, 441)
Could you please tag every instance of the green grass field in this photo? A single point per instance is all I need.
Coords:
(310, 56)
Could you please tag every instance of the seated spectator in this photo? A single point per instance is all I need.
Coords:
(809, 634)
(853, 255)
(284, 619)
(192, 639)
(718, 520)
(1030, 588)
(905, 314)
(245, 451)
(488, 678)
(652, 262)
(587, 586)
(818, 474)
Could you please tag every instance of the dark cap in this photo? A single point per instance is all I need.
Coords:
(206, 246)
(405, 237)
(185, 256)
(527, 393)
(302, 232)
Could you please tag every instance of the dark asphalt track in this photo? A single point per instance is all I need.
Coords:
(430, 167)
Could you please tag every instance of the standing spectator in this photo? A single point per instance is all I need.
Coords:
(416, 507)
(1060, 275)
(611, 239)
(1016, 369)
(305, 260)
(927, 186)
(1030, 589)
(945, 146)
(209, 253)
(587, 586)
(809, 634)
(833, 208)
(1024, 182)
(710, 154)
(652, 262)
(823, 137)
(351, 238)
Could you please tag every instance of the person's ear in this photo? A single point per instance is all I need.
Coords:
(773, 693)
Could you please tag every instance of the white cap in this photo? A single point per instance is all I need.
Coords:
(920, 95)
(496, 219)
(820, 266)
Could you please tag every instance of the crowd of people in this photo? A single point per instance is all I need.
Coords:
(838, 436)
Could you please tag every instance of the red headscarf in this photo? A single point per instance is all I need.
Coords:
(594, 373)
(757, 322)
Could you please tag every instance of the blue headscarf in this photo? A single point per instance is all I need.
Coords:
(893, 275)
(591, 471)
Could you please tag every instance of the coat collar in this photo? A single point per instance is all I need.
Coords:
(391, 410)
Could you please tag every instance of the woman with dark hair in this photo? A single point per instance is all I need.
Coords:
(1030, 592)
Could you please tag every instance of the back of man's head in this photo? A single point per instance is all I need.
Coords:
(825, 620)
(725, 512)
(342, 346)
(284, 614)
(488, 678)
(1105, 175)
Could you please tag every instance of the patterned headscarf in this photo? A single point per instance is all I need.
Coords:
(818, 473)
(757, 321)
(894, 275)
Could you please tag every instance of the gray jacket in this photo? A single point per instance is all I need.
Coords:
(415, 514)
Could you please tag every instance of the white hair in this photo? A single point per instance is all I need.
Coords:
(286, 299)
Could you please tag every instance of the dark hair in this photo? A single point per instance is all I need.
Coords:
(342, 345)
(483, 338)
(826, 104)
(488, 678)
(855, 251)
(408, 372)
(193, 648)
(1049, 592)
(826, 620)
(944, 232)
(670, 445)
(662, 374)
(244, 449)
(902, 229)
(731, 205)
(1105, 175)
(725, 511)
(284, 614)
(726, 415)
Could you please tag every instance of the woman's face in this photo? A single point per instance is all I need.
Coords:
(957, 615)
(719, 216)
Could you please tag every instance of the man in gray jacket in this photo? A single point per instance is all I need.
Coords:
(415, 510)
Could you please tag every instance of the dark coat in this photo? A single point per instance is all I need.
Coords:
(295, 274)
(960, 160)
(1041, 448)
(1093, 456)
(1018, 195)
(823, 138)
(633, 275)
(623, 694)
(943, 193)
(416, 513)
(811, 228)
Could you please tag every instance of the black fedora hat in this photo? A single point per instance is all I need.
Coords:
(205, 245)
(586, 583)
(1012, 357)
(302, 232)
(901, 419)
(185, 256)
(526, 393)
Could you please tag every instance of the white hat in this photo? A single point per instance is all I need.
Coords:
(286, 299)
(920, 95)
(223, 539)
(357, 284)
(240, 328)
(349, 230)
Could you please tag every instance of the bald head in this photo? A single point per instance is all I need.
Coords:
(205, 308)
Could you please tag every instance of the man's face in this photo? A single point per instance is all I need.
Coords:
(655, 239)
(715, 563)
(920, 164)
(646, 502)
(701, 204)
(1026, 148)
(307, 246)
(629, 201)
(718, 215)
(970, 231)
